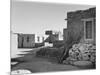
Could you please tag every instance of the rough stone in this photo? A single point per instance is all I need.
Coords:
(82, 52)
(82, 63)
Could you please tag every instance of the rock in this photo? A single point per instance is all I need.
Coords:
(65, 62)
(69, 60)
(84, 53)
(93, 58)
(71, 53)
(79, 56)
(83, 63)
(85, 57)
(75, 45)
(93, 47)
(72, 59)
(82, 48)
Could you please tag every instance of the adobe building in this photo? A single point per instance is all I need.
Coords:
(26, 40)
(53, 39)
(81, 26)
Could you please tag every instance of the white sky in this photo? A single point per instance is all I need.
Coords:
(33, 17)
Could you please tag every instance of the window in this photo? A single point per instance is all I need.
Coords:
(38, 39)
(88, 28)
(27, 39)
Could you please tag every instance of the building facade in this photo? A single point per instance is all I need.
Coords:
(26, 40)
(81, 25)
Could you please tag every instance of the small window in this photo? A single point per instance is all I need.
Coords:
(88, 28)
(38, 39)
(27, 39)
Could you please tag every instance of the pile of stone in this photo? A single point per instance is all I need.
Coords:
(81, 52)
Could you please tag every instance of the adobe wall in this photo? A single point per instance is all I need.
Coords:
(75, 25)
(22, 41)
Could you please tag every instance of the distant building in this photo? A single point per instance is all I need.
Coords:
(53, 39)
(39, 39)
(81, 25)
(49, 32)
(26, 40)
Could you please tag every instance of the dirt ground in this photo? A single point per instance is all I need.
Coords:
(40, 64)
(43, 65)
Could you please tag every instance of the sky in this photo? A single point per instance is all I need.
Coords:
(37, 17)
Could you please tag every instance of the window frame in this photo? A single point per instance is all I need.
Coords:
(84, 21)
